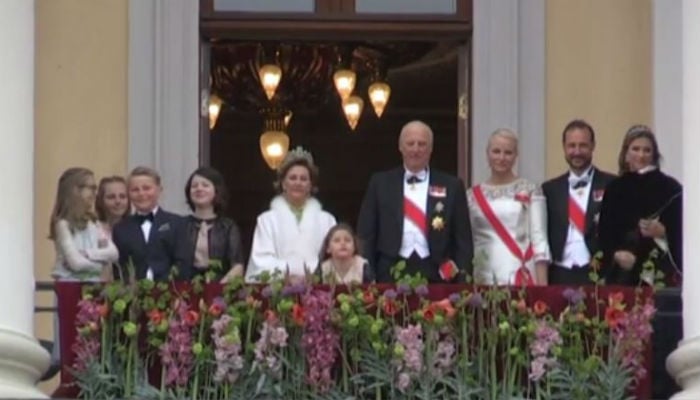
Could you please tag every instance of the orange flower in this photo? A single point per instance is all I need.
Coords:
(103, 309)
(270, 316)
(155, 316)
(390, 307)
(580, 317)
(445, 306)
(613, 316)
(298, 314)
(191, 317)
(540, 307)
(521, 306)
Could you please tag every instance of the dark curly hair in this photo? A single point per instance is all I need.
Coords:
(220, 191)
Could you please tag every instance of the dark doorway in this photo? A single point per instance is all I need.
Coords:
(425, 87)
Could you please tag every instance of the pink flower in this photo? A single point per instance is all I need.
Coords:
(319, 340)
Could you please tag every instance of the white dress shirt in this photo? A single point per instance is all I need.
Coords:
(413, 239)
(575, 249)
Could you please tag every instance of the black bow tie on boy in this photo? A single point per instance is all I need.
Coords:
(141, 218)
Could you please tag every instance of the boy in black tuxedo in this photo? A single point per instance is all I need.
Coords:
(573, 205)
(147, 237)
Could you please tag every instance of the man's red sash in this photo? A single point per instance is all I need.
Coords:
(415, 215)
(522, 275)
(577, 216)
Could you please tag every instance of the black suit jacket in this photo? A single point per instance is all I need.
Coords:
(158, 253)
(380, 224)
(557, 193)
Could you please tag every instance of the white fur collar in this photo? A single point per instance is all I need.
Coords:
(280, 204)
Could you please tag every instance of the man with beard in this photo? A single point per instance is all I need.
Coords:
(573, 204)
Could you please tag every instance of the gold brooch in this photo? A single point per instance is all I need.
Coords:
(438, 223)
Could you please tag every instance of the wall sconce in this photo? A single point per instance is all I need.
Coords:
(270, 76)
(214, 110)
(379, 93)
(352, 108)
(274, 142)
(344, 80)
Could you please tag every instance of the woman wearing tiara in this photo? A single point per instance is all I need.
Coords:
(288, 237)
(509, 221)
(641, 215)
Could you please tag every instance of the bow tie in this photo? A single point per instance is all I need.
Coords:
(578, 183)
(141, 218)
(413, 179)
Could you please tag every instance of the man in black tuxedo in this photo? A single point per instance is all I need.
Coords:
(147, 238)
(573, 206)
(417, 214)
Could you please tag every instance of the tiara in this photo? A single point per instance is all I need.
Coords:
(636, 129)
(295, 155)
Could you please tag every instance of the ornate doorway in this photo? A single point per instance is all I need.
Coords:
(425, 61)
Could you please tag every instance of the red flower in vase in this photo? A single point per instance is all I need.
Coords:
(155, 316)
(613, 316)
(390, 307)
(298, 314)
(191, 317)
(540, 308)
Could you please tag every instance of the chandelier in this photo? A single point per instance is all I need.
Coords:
(279, 79)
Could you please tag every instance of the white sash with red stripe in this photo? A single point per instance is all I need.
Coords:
(522, 275)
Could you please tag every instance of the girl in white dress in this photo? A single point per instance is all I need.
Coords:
(341, 261)
(288, 237)
(83, 251)
(509, 221)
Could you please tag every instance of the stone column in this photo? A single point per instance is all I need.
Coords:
(22, 360)
(684, 362)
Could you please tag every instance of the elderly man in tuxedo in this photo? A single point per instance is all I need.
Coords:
(417, 214)
(573, 206)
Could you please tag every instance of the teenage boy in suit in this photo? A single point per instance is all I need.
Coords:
(146, 239)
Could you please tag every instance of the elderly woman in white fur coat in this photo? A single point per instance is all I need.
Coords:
(288, 237)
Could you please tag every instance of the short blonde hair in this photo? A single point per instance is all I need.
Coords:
(504, 133)
(144, 171)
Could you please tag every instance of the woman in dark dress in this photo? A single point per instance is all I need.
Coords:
(641, 215)
(209, 241)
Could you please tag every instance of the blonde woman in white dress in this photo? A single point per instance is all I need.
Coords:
(509, 221)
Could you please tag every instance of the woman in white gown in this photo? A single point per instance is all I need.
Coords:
(509, 221)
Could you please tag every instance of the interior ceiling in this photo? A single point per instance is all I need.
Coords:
(308, 67)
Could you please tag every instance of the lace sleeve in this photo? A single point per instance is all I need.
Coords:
(538, 224)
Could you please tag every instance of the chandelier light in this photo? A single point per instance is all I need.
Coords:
(379, 93)
(274, 142)
(274, 146)
(270, 76)
(352, 108)
(344, 80)
(214, 110)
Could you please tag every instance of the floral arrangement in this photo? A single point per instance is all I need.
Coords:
(405, 341)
